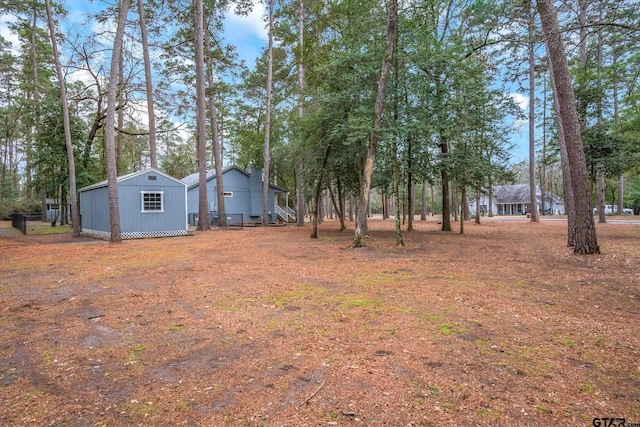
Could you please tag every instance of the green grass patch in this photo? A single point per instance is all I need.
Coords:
(490, 413)
(295, 296)
(360, 302)
(134, 354)
(565, 341)
(447, 329)
(45, 228)
(142, 409)
(588, 388)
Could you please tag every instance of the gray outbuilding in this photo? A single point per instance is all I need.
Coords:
(242, 195)
(151, 203)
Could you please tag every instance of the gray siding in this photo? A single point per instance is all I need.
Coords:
(246, 198)
(132, 219)
(94, 205)
(94, 208)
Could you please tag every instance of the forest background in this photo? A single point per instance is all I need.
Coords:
(460, 76)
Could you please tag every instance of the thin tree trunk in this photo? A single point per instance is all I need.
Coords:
(616, 124)
(567, 188)
(149, 86)
(411, 190)
(586, 241)
(465, 204)
(462, 218)
(367, 173)
(543, 177)
(66, 124)
(384, 203)
(337, 208)
(120, 110)
(43, 203)
(478, 194)
(533, 207)
(204, 222)
(423, 209)
(490, 201)
(433, 201)
(215, 140)
(454, 203)
(600, 197)
(396, 192)
(446, 213)
(299, 162)
(316, 214)
(267, 124)
(36, 102)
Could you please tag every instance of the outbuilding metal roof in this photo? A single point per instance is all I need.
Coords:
(105, 183)
(194, 179)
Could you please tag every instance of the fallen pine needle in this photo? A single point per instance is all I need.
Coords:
(312, 394)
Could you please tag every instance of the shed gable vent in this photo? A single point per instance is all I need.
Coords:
(152, 177)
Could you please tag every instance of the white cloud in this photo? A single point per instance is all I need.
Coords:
(521, 100)
(11, 37)
(254, 23)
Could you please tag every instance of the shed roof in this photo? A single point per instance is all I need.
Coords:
(194, 179)
(122, 178)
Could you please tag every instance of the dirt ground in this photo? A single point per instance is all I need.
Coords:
(502, 326)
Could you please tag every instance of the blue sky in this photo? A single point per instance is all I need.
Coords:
(249, 35)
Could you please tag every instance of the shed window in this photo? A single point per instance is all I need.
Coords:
(152, 201)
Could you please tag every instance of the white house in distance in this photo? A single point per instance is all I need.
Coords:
(515, 200)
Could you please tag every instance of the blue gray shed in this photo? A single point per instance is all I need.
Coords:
(151, 203)
(242, 195)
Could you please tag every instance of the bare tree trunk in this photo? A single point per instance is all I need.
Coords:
(204, 222)
(316, 215)
(66, 123)
(396, 192)
(267, 124)
(462, 219)
(600, 197)
(337, 208)
(365, 184)
(586, 241)
(454, 203)
(478, 194)
(616, 122)
(299, 163)
(385, 206)
(120, 110)
(36, 101)
(567, 188)
(465, 204)
(543, 175)
(490, 201)
(423, 209)
(149, 86)
(215, 140)
(446, 213)
(433, 201)
(533, 207)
